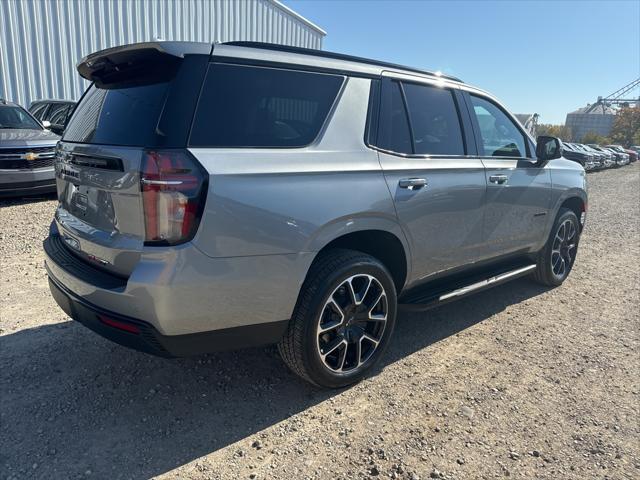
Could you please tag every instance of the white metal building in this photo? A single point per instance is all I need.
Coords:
(42, 40)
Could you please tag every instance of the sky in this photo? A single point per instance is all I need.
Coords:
(545, 57)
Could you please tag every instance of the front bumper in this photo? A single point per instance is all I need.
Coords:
(27, 182)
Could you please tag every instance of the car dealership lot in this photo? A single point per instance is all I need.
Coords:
(520, 381)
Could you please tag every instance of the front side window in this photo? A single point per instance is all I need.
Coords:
(500, 136)
(246, 106)
(434, 120)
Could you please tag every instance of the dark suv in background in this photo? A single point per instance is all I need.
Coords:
(588, 161)
(27, 150)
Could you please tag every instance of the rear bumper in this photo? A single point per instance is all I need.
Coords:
(142, 336)
(188, 302)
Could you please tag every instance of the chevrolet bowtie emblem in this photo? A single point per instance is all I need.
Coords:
(30, 156)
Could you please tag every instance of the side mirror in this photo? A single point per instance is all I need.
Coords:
(548, 148)
(46, 124)
(57, 129)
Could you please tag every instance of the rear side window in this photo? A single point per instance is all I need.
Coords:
(434, 120)
(394, 134)
(246, 106)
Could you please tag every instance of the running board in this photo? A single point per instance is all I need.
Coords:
(433, 299)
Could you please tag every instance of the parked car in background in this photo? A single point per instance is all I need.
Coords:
(588, 161)
(217, 197)
(633, 155)
(27, 151)
(599, 158)
(607, 158)
(621, 158)
(53, 114)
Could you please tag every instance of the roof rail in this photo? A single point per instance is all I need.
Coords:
(336, 56)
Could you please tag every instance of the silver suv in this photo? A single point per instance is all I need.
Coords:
(225, 196)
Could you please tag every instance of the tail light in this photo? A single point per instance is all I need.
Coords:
(174, 188)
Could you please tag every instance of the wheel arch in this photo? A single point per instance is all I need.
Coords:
(383, 245)
(573, 198)
(576, 204)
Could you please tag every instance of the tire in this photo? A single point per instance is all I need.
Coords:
(556, 259)
(348, 296)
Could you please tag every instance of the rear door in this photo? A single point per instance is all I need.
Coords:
(432, 171)
(518, 191)
(142, 100)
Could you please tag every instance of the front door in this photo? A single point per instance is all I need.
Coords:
(518, 191)
(433, 173)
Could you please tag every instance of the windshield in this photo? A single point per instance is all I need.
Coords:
(15, 117)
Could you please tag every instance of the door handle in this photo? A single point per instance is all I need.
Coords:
(412, 183)
(499, 179)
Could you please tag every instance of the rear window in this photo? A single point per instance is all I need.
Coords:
(246, 106)
(121, 116)
(149, 107)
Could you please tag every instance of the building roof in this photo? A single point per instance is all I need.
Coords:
(296, 15)
(599, 108)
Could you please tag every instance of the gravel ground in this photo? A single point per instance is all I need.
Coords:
(518, 381)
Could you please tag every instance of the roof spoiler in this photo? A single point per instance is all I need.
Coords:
(137, 63)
